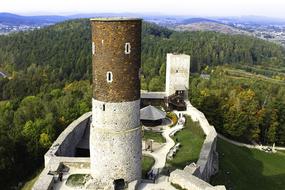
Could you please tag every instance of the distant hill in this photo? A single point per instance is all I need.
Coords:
(209, 25)
(251, 20)
(13, 19)
(197, 20)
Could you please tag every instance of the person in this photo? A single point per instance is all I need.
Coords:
(60, 175)
(150, 174)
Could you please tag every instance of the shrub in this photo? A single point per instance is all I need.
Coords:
(173, 117)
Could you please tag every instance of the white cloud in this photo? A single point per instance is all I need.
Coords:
(179, 7)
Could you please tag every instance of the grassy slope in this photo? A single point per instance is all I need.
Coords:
(157, 137)
(249, 169)
(191, 139)
(29, 184)
(241, 74)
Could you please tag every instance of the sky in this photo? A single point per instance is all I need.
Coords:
(269, 8)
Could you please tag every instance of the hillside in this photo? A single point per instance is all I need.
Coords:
(61, 50)
(60, 53)
(14, 20)
(252, 20)
(211, 26)
(242, 168)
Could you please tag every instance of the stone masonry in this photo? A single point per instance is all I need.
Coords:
(115, 133)
(177, 73)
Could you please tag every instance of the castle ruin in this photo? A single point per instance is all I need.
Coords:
(111, 133)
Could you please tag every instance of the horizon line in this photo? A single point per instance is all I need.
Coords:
(71, 13)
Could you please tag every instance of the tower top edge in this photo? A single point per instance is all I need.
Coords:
(115, 19)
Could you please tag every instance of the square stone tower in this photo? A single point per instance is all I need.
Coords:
(115, 132)
(177, 73)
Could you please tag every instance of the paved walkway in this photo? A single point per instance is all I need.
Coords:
(160, 155)
(259, 147)
(2, 75)
(160, 160)
(163, 185)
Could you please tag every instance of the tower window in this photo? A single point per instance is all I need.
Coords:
(109, 77)
(127, 48)
(103, 107)
(93, 48)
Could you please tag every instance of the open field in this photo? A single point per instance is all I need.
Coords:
(242, 168)
(241, 74)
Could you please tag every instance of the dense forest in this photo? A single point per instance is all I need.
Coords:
(49, 74)
(245, 109)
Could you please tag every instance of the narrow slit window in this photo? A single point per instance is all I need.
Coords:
(103, 107)
(93, 48)
(127, 48)
(109, 76)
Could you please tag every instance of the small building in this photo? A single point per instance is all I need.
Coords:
(151, 116)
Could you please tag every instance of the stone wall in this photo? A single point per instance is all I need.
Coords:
(46, 181)
(191, 182)
(62, 151)
(65, 144)
(208, 158)
(196, 176)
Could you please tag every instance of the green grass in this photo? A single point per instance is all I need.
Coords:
(156, 136)
(241, 74)
(191, 139)
(77, 180)
(147, 163)
(29, 184)
(242, 168)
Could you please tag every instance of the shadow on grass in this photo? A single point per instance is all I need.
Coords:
(242, 168)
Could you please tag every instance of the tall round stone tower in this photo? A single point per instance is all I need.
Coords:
(115, 133)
